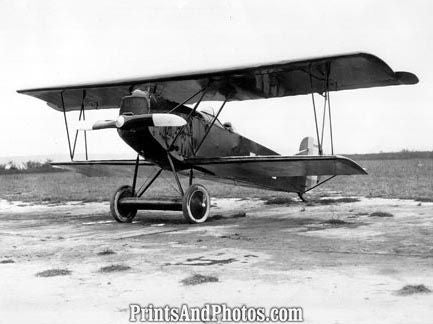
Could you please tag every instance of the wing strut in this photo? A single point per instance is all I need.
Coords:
(330, 123)
(81, 116)
(203, 93)
(82, 113)
(71, 155)
(211, 125)
(315, 114)
(326, 106)
(185, 101)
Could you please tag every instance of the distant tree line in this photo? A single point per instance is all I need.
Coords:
(402, 155)
(12, 167)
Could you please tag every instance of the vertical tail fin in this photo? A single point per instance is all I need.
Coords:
(307, 147)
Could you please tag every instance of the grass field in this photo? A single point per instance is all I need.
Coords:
(407, 178)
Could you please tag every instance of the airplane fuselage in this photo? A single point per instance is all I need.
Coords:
(202, 137)
(198, 138)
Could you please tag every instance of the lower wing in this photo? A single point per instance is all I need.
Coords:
(101, 168)
(283, 173)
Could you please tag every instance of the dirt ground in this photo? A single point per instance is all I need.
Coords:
(336, 260)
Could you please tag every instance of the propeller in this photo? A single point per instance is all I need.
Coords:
(126, 122)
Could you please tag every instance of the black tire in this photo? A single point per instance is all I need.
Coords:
(196, 204)
(122, 214)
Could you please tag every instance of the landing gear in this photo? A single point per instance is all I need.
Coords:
(196, 204)
(120, 212)
(127, 200)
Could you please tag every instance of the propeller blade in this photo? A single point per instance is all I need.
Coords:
(134, 121)
(145, 120)
(167, 120)
(85, 125)
(102, 124)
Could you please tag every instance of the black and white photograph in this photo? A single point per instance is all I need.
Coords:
(216, 161)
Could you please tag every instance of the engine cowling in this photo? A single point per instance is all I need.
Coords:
(135, 104)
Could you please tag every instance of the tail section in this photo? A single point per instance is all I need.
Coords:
(307, 147)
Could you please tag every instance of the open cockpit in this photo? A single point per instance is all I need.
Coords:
(208, 114)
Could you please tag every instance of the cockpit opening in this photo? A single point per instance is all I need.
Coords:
(208, 114)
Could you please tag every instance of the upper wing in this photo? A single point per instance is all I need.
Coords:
(278, 79)
(276, 172)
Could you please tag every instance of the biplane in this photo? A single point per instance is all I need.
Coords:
(160, 120)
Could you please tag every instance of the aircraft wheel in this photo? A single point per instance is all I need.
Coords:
(122, 214)
(196, 204)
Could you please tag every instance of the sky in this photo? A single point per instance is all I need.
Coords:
(49, 43)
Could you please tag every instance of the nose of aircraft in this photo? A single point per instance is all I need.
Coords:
(135, 104)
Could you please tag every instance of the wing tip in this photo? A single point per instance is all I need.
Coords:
(406, 77)
(355, 166)
(403, 78)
